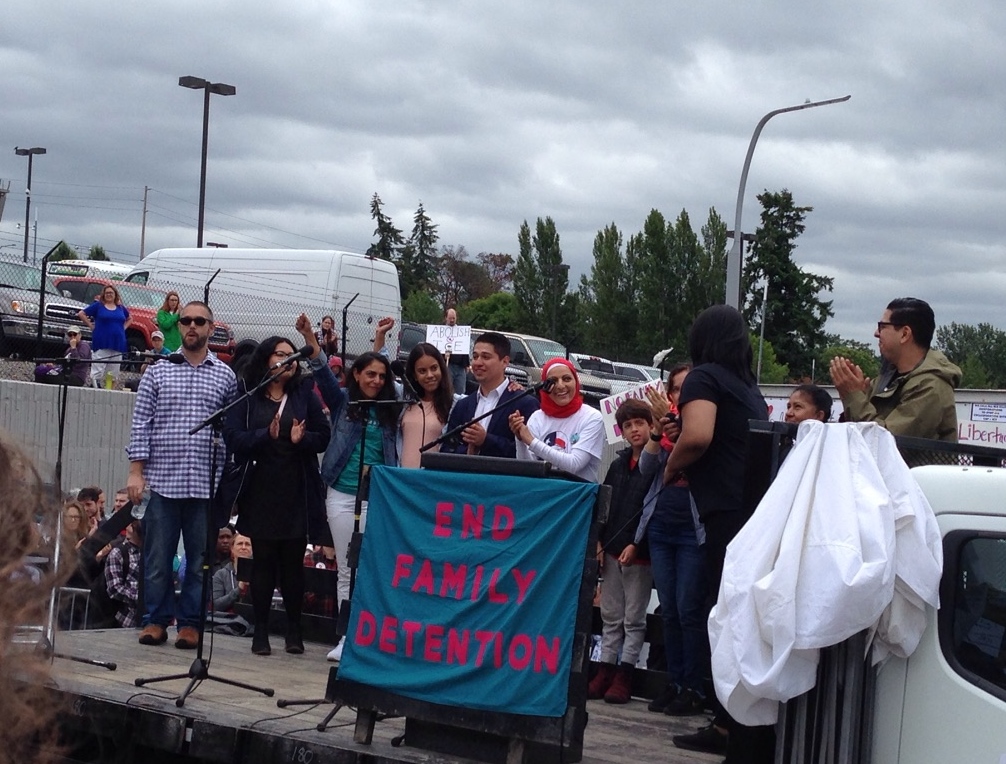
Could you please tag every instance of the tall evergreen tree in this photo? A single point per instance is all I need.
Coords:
(389, 239)
(795, 315)
(64, 252)
(607, 302)
(527, 284)
(658, 285)
(418, 261)
(97, 252)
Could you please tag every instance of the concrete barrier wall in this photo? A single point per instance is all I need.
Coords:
(97, 432)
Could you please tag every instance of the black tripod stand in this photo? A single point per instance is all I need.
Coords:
(47, 644)
(200, 668)
(352, 558)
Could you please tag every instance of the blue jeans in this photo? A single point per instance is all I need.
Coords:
(679, 575)
(163, 522)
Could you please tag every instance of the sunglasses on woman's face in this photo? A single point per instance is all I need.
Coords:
(197, 320)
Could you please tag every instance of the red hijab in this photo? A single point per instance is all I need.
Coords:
(549, 406)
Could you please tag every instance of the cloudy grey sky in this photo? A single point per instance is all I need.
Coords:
(491, 114)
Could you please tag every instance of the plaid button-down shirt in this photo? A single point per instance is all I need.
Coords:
(170, 401)
(122, 581)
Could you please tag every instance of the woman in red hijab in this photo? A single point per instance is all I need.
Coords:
(563, 432)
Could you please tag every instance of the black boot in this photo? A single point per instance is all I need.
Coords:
(260, 640)
(294, 641)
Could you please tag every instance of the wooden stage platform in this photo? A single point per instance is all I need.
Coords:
(119, 721)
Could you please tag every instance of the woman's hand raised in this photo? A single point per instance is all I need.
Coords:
(303, 326)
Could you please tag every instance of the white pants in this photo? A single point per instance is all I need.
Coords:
(99, 366)
(340, 508)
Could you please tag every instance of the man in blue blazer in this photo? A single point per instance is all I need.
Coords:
(492, 436)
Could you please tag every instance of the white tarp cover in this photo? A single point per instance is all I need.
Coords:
(843, 540)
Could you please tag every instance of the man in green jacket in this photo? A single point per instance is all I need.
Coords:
(914, 392)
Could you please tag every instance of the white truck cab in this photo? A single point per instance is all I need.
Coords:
(946, 703)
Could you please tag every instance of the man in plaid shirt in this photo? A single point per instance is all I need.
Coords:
(171, 399)
(122, 576)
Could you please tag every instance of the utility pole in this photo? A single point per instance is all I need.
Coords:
(143, 224)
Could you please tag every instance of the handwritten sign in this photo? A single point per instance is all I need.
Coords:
(450, 339)
(610, 405)
(467, 589)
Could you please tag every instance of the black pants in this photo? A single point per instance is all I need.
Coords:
(279, 561)
(747, 745)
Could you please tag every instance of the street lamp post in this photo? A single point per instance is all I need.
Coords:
(735, 258)
(197, 83)
(30, 153)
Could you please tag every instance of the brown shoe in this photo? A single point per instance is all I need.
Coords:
(153, 634)
(188, 638)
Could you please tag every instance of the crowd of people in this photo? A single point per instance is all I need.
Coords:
(306, 442)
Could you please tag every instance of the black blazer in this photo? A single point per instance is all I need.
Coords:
(499, 440)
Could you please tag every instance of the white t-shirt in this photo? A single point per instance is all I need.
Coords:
(574, 443)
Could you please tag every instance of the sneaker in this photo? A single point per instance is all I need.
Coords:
(335, 654)
(153, 634)
(188, 638)
(688, 703)
(659, 703)
(705, 739)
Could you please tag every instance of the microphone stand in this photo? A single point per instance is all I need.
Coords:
(200, 668)
(47, 644)
(352, 556)
(452, 434)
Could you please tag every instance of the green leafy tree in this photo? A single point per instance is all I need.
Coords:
(657, 286)
(859, 353)
(97, 252)
(527, 284)
(63, 252)
(418, 261)
(499, 266)
(541, 279)
(974, 375)
(773, 371)
(421, 308)
(497, 312)
(795, 315)
(389, 239)
(459, 280)
(606, 298)
(984, 344)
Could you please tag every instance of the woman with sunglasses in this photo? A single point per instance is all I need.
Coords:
(281, 430)
(350, 451)
(167, 321)
(108, 320)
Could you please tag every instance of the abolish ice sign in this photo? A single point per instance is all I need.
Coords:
(467, 589)
(450, 340)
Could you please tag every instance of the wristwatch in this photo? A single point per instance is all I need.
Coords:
(656, 438)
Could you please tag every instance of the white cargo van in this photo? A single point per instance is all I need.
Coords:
(260, 292)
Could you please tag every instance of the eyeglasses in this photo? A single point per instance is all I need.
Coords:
(197, 320)
(282, 354)
(882, 324)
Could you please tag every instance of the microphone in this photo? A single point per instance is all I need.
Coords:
(154, 357)
(304, 351)
(545, 384)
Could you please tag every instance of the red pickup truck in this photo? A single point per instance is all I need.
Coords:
(143, 303)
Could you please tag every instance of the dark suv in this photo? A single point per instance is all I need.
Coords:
(20, 285)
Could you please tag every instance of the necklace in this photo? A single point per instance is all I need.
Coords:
(270, 397)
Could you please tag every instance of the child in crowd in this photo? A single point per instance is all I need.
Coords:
(625, 588)
(808, 402)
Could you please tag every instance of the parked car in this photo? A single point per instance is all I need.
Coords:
(143, 303)
(637, 371)
(603, 368)
(20, 286)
